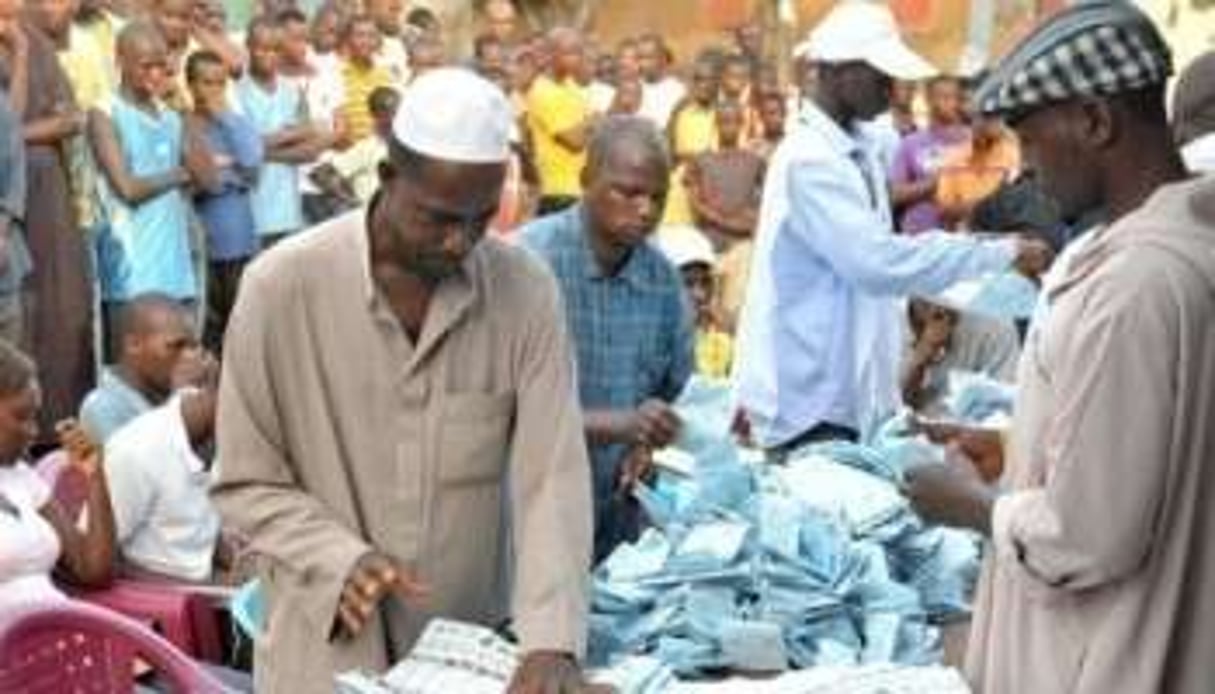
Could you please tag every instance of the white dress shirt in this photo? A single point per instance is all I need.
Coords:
(820, 335)
(164, 519)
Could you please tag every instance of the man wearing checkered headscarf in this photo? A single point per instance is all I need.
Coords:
(1097, 579)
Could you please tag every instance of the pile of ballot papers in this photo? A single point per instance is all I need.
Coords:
(749, 567)
(457, 658)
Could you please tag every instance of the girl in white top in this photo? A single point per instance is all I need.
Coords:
(36, 535)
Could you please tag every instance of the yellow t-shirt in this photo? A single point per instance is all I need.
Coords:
(678, 210)
(553, 108)
(359, 83)
(695, 131)
(714, 353)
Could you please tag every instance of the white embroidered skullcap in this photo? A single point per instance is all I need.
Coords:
(453, 114)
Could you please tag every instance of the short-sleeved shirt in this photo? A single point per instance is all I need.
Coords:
(29, 547)
(145, 247)
(163, 518)
(920, 157)
(357, 84)
(111, 405)
(553, 108)
(226, 210)
(695, 130)
(277, 201)
(633, 330)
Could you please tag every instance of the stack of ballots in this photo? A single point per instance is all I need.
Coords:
(757, 568)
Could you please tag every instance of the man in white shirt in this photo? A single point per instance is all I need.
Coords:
(821, 334)
(661, 91)
(158, 474)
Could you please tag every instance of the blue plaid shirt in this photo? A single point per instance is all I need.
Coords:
(633, 330)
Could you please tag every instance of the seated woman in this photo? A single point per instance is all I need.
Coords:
(36, 535)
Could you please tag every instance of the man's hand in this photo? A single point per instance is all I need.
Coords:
(638, 466)
(550, 672)
(984, 447)
(952, 493)
(197, 368)
(83, 454)
(13, 38)
(934, 334)
(1034, 257)
(655, 424)
(375, 577)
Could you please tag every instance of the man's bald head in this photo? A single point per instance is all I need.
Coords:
(137, 36)
(154, 334)
(566, 45)
(625, 181)
(625, 138)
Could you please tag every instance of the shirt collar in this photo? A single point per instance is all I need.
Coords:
(817, 120)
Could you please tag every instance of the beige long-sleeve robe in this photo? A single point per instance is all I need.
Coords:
(1102, 575)
(337, 434)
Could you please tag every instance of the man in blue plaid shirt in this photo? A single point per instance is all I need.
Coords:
(626, 311)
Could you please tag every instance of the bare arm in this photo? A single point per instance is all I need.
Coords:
(911, 193)
(575, 139)
(88, 556)
(54, 129)
(132, 189)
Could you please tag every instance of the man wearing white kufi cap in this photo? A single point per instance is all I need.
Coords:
(395, 387)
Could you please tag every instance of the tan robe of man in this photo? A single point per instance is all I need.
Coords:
(337, 435)
(1102, 575)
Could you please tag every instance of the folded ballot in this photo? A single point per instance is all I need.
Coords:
(1005, 295)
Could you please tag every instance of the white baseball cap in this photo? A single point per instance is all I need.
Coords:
(453, 114)
(864, 30)
(685, 245)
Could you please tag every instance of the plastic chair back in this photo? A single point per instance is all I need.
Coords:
(74, 647)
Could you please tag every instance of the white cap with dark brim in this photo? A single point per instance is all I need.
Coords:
(864, 31)
(452, 114)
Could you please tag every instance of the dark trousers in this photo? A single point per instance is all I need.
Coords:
(221, 297)
(819, 433)
(550, 204)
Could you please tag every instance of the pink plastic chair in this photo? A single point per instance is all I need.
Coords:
(187, 619)
(74, 647)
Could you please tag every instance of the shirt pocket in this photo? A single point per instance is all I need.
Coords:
(474, 435)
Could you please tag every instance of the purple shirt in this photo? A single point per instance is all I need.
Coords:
(918, 159)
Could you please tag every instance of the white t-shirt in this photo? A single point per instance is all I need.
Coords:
(29, 546)
(158, 487)
(659, 99)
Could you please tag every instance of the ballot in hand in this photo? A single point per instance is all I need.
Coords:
(374, 577)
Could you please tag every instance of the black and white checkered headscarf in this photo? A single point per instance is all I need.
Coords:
(1093, 48)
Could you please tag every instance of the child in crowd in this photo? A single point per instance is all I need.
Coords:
(277, 109)
(692, 253)
(223, 203)
(147, 165)
(353, 176)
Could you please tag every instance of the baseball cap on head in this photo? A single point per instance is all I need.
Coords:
(865, 31)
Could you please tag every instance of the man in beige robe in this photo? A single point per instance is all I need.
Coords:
(1098, 577)
(397, 395)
